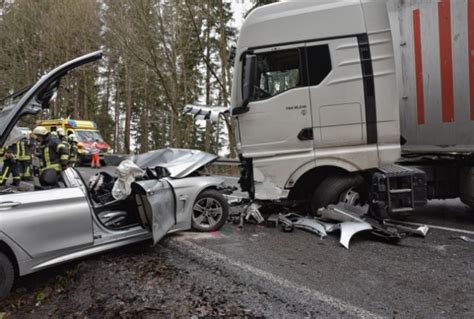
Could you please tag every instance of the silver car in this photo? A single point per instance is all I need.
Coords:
(43, 228)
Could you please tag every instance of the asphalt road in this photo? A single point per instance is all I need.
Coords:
(419, 277)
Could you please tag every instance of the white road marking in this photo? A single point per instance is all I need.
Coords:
(207, 254)
(456, 230)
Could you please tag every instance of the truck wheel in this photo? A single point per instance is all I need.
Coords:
(7, 275)
(349, 189)
(210, 211)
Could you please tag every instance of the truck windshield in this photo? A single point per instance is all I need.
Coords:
(88, 136)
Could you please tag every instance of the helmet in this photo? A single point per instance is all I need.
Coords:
(60, 131)
(40, 130)
(72, 138)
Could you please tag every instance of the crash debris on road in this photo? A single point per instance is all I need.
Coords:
(347, 219)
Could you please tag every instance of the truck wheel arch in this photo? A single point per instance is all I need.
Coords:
(324, 163)
(310, 179)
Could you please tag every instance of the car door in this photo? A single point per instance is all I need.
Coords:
(156, 206)
(47, 222)
(37, 97)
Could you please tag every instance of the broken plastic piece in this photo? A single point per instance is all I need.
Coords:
(285, 224)
(309, 225)
(252, 212)
(272, 221)
(467, 239)
(349, 229)
(420, 231)
(343, 213)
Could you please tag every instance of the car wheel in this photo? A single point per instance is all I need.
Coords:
(7, 275)
(210, 211)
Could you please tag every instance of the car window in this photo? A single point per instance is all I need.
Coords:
(277, 72)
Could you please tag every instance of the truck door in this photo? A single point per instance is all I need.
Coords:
(337, 93)
(278, 121)
(156, 206)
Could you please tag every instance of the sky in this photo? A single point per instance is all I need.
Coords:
(240, 7)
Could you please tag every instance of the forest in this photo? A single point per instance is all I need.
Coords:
(158, 56)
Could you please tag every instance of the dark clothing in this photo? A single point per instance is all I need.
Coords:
(10, 165)
(54, 154)
(64, 140)
(73, 154)
(24, 158)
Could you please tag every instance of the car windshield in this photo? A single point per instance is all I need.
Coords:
(88, 136)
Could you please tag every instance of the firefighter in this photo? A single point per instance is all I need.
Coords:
(72, 150)
(24, 157)
(53, 152)
(62, 137)
(10, 165)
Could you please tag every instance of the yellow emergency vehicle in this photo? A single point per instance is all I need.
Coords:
(86, 133)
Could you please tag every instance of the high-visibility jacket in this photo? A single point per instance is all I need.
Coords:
(10, 164)
(24, 150)
(54, 154)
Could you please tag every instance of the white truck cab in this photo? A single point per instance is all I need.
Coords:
(314, 94)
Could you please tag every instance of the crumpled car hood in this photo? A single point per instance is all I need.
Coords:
(179, 162)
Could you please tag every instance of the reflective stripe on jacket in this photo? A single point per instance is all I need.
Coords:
(54, 154)
(24, 153)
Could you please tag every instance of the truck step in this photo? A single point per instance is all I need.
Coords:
(396, 170)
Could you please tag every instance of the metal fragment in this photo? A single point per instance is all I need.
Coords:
(349, 229)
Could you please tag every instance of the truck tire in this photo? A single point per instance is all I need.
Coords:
(7, 275)
(466, 186)
(339, 188)
(210, 211)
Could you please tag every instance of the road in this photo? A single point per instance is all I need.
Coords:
(419, 277)
(263, 272)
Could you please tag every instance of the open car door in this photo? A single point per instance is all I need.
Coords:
(32, 100)
(156, 206)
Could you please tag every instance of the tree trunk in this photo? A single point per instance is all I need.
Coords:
(128, 108)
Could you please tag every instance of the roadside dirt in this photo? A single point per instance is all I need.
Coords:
(137, 281)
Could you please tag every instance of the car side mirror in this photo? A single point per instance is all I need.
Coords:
(248, 84)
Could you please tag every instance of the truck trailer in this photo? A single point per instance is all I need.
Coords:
(356, 101)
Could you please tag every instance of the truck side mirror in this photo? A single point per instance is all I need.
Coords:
(248, 85)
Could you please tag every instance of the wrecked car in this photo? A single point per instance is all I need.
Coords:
(45, 227)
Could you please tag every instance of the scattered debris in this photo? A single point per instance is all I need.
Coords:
(349, 229)
(309, 224)
(252, 212)
(348, 219)
(420, 231)
(467, 239)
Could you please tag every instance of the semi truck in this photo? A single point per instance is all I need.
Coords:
(356, 101)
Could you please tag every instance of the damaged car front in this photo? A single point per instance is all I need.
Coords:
(43, 227)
